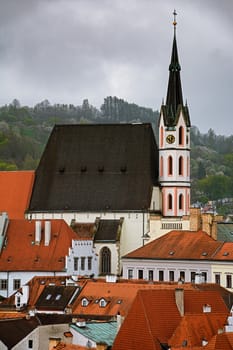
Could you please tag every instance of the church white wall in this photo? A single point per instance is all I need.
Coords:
(135, 224)
(159, 226)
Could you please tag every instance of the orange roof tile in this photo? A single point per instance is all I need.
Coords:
(33, 257)
(154, 319)
(179, 245)
(223, 341)
(194, 328)
(15, 189)
(151, 320)
(62, 345)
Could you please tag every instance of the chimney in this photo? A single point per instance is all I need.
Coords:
(195, 219)
(47, 236)
(179, 296)
(38, 232)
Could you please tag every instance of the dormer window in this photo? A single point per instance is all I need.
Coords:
(103, 302)
(85, 302)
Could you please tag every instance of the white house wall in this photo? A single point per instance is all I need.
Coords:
(81, 248)
(163, 265)
(81, 340)
(24, 277)
(159, 226)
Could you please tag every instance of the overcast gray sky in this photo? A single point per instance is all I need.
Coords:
(69, 50)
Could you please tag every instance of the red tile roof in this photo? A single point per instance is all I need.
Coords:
(22, 254)
(15, 189)
(154, 318)
(180, 245)
(222, 341)
(151, 320)
(194, 328)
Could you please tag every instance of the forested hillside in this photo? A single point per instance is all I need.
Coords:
(25, 130)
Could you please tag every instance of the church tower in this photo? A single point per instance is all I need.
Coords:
(174, 143)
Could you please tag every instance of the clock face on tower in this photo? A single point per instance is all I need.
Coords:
(170, 138)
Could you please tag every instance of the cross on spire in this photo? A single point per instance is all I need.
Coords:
(174, 20)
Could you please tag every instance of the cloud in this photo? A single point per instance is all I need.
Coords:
(69, 50)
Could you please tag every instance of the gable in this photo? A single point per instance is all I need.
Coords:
(96, 167)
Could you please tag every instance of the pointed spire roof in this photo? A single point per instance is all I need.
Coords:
(174, 100)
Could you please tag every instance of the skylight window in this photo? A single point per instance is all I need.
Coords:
(48, 297)
(225, 253)
(58, 297)
(204, 254)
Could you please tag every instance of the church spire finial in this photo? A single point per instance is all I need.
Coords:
(174, 20)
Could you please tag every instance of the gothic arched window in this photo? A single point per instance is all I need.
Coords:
(105, 263)
(181, 165)
(181, 201)
(170, 165)
(181, 135)
(170, 201)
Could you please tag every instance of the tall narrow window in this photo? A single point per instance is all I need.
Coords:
(181, 165)
(161, 136)
(181, 202)
(161, 166)
(171, 276)
(75, 263)
(217, 278)
(170, 201)
(181, 135)
(83, 263)
(228, 281)
(130, 274)
(161, 275)
(89, 262)
(105, 261)
(151, 275)
(140, 274)
(170, 165)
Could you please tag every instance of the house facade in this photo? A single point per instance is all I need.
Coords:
(185, 256)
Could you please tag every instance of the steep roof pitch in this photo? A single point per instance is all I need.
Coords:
(15, 189)
(33, 257)
(190, 245)
(108, 230)
(96, 168)
(13, 331)
(223, 341)
(151, 321)
(154, 319)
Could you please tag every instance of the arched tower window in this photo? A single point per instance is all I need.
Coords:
(169, 201)
(181, 165)
(161, 136)
(181, 135)
(170, 165)
(161, 166)
(105, 261)
(181, 201)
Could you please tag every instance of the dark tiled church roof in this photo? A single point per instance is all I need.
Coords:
(108, 230)
(96, 168)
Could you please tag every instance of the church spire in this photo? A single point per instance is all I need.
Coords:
(174, 91)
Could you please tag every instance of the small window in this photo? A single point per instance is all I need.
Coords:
(16, 284)
(181, 135)
(89, 262)
(171, 276)
(58, 297)
(170, 165)
(193, 274)
(181, 202)
(30, 344)
(83, 263)
(48, 297)
(161, 275)
(169, 201)
(75, 264)
(228, 281)
(204, 275)
(85, 302)
(18, 302)
(103, 302)
(182, 276)
(130, 274)
(3, 284)
(140, 274)
(150, 275)
(181, 165)
(217, 278)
